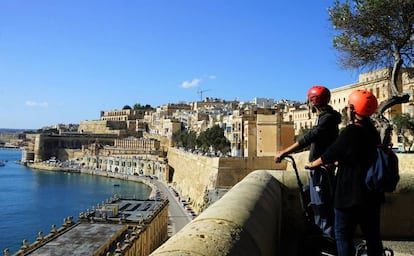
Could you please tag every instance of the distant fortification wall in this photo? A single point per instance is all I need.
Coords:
(9, 137)
(195, 176)
(64, 147)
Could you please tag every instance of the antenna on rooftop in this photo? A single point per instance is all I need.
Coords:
(201, 93)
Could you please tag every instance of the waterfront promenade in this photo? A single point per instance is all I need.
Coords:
(178, 215)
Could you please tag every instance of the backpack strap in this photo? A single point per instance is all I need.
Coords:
(386, 147)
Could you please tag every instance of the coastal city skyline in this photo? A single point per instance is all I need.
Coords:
(64, 62)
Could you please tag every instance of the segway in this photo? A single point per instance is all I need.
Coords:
(315, 242)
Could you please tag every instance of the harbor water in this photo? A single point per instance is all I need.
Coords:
(32, 200)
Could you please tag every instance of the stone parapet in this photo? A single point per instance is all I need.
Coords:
(262, 215)
(406, 162)
(246, 221)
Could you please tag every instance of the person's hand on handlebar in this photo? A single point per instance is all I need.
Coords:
(283, 153)
(279, 156)
(313, 164)
(308, 166)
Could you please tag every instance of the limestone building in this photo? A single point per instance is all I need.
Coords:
(122, 123)
(162, 122)
(124, 114)
(377, 82)
(214, 104)
(257, 132)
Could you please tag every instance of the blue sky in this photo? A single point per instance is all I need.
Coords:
(65, 61)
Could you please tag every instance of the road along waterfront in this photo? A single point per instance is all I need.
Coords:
(33, 200)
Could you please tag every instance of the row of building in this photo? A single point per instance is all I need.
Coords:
(256, 128)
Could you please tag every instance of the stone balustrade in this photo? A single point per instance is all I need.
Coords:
(68, 224)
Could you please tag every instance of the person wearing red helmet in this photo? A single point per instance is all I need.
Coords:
(319, 137)
(354, 151)
(318, 95)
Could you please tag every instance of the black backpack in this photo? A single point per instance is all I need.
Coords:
(383, 174)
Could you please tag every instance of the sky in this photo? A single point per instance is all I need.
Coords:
(63, 62)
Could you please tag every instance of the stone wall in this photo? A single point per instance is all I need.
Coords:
(406, 162)
(102, 127)
(10, 137)
(63, 147)
(262, 215)
(194, 176)
(246, 221)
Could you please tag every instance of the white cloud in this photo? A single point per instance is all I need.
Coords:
(30, 103)
(212, 77)
(193, 83)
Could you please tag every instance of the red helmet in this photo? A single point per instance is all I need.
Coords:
(319, 95)
(364, 102)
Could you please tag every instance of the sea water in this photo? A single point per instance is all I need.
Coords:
(32, 200)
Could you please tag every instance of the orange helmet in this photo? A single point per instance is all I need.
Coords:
(364, 102)
(319, 95)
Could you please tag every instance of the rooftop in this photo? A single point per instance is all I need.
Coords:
(82, 239)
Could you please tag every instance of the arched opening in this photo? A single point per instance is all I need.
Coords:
(170, 174)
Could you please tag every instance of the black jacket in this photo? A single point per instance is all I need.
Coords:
(323, 134)
(355, 151)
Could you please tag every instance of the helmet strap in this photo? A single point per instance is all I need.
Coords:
(311, 108)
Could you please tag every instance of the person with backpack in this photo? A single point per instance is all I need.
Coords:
(354, 151)
(319, 137)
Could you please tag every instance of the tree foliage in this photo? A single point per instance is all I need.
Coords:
(213, 138)
(138, 106)
(374, 33)
(186, 139)
(405, 128)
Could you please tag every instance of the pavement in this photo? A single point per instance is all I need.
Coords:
(178, 216)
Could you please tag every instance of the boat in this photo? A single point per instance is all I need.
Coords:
(2, 163)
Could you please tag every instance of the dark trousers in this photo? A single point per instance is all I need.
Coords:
(323, 216)
(321, 194)
(367, 216)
